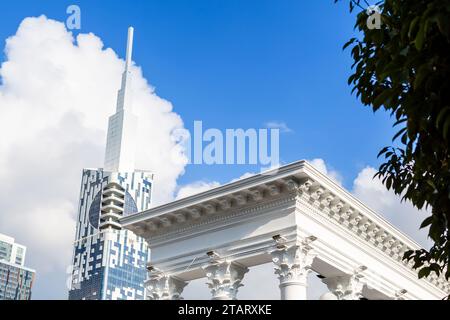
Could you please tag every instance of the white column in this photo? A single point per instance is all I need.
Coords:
(160, 286)
(292, 265)
(224, 278)
(346, 287)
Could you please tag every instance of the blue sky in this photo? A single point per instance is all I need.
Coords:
(240, 64)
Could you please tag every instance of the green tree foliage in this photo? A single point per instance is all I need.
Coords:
(403, 67)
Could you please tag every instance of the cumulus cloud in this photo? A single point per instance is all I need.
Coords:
(201, 186)
(244, 176)
(195, 187)
(320, 165)
(401, 214)
(56, 94)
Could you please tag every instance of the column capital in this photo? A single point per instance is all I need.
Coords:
(293, 262)
(347, 287)
(224, 278)
(161, 286)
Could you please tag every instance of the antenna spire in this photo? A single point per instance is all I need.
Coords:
(122, 135)
(129, 47)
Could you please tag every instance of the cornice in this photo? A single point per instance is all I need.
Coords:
(256, 181)
(207, 223)
(234, 204)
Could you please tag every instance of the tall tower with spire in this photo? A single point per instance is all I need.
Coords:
(109, 262)
(122, 128)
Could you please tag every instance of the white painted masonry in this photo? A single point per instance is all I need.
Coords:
(295, 217)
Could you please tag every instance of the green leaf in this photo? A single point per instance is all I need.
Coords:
(441, 116)
(424, 272)
(404, 138)
(420, 37)
(446, 128)
(351, 79)
(381, 98)
(382, 151)
(389, 182)
(426, 222)
(400, 121)
(422, 72)
(431, 184)
(407, 255)
(412, 25)
(443, 24)
(352, 40)
(436, 268)
(399, 133)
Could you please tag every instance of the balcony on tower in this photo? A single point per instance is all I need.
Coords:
(112, 208)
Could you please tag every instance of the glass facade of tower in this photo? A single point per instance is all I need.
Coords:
(108, 262)
(16, 280)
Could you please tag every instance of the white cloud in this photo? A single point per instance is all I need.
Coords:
(56, 95)
(320, 165)
(201, 186)
(195, 187)
(244, 176)
(278, 125)
(401, 214)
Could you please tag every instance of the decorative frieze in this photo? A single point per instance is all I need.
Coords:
(150, 225)
(257, 194)
(225, 204)
(326, 201)
(195, 213)
(180, 217)
(165, 222)
(241, 199)
(210, 208)
(274, 190)
(290, 184)
(304, 187)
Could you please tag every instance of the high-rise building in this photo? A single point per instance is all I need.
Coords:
(108, 262)
(16, 280)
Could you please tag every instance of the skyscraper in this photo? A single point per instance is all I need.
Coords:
(108, 262)
(16, 280)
